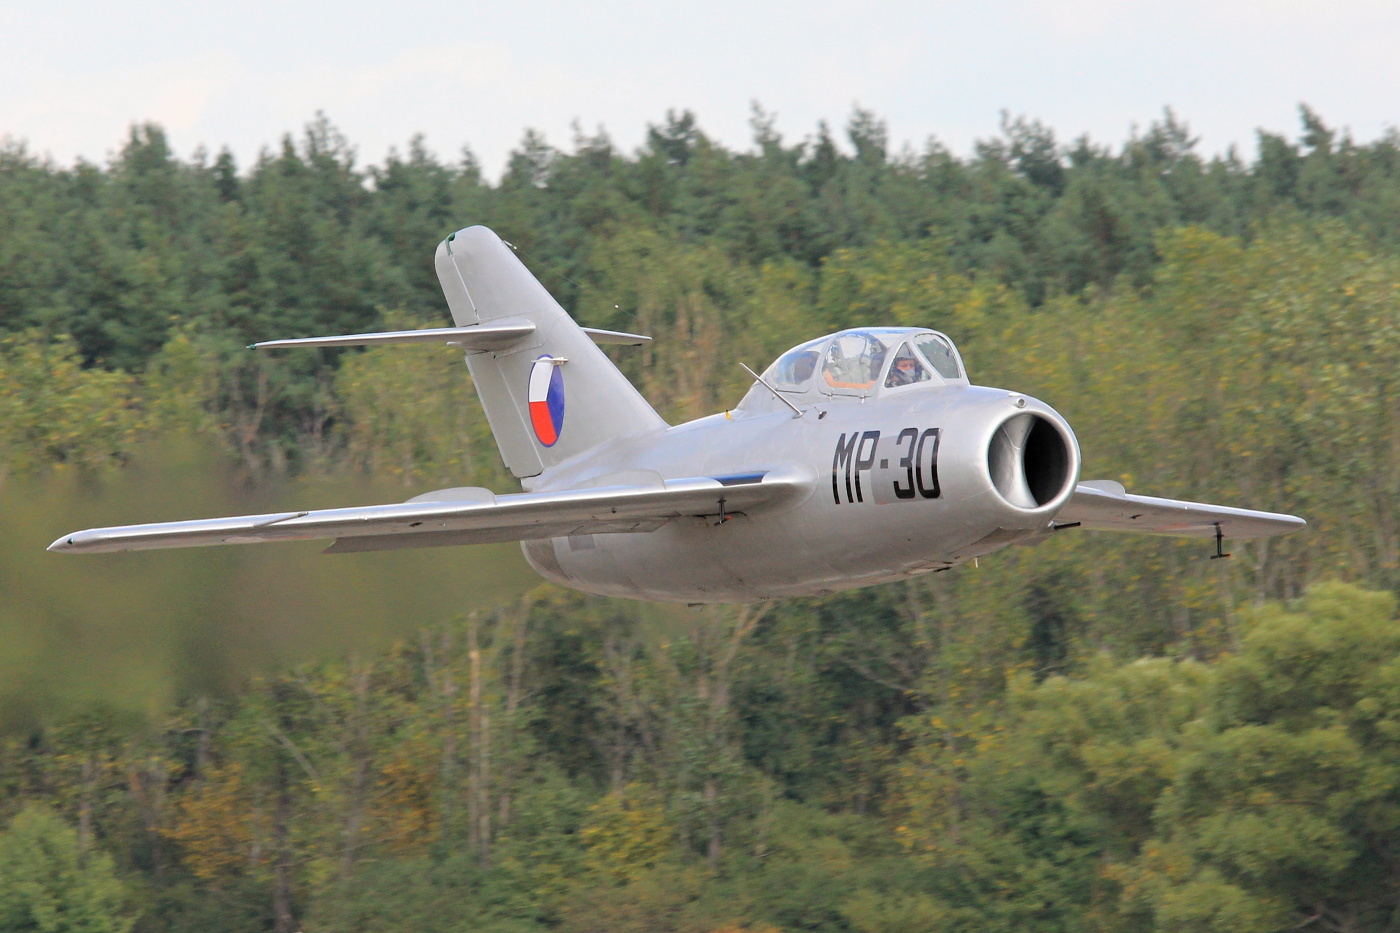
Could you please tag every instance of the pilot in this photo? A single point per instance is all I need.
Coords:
(905, 371)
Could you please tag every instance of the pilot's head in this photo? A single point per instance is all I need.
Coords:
(904, 371)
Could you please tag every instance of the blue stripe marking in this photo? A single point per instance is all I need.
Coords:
(555, 398)
(740, 479)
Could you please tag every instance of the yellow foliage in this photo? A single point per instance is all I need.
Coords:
(217, 825)
(412, 413)
(404, 808)
(626, 833)
(53, 411)
(181, 382)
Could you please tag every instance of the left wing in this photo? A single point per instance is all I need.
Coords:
(468, 516)
(1103, 505)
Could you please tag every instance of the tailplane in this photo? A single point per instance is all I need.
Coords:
(551, 394)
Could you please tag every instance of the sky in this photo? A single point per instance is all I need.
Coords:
(75, 74)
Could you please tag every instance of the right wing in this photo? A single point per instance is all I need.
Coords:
(495, 336)
(468, 516)
(1103, 505)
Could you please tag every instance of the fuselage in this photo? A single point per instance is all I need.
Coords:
(859, 457)
(910, 482)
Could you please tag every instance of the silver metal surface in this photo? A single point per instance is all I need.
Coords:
(843, 477)
(1098, 509)
(620, 338)
(776, 394)
(479, 337)
(476, 337)
(698, 496)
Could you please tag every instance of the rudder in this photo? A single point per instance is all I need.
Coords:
(551, 395)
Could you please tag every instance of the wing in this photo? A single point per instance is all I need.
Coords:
(1103, 505)
(495, 336)
(468, 516)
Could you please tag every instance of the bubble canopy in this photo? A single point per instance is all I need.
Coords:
(862, 361)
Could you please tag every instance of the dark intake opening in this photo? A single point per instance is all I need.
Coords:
(1046, 461)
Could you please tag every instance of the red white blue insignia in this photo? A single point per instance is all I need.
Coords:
(546, 397)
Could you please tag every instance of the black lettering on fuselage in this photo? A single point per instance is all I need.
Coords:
(929, 490)
(854, 453)
(845, 450)
(917, 470)
(907, 463)
(865, 461)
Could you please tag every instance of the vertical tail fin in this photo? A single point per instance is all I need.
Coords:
(551, 395)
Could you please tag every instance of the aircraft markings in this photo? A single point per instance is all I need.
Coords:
(855, 454)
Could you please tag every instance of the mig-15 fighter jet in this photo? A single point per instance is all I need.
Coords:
(861, 457)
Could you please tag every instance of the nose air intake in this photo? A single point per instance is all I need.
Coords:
(1030, 461)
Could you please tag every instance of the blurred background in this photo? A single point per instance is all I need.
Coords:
(1176, 225)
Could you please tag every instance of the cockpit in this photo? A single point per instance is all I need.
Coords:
(864, 362)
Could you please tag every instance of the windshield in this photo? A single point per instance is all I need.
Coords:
(853, 361)
(795, 367)
(858, 361)
(938, 351)
(906, 369)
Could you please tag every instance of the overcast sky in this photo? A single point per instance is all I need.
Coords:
(74, 75)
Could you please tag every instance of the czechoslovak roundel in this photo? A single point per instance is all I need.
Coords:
(546, 398)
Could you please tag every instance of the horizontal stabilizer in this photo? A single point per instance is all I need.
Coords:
(621, 338)
(462, 516)
(1103, 505)
(496, 336)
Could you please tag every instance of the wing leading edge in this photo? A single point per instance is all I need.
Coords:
(1103, 505)
(497, 336)
(463, 516)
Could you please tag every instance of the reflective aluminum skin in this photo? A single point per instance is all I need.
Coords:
(862, 457)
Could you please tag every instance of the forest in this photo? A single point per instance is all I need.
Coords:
(1103, 733)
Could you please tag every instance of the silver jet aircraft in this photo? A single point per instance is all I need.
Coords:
(861, 457)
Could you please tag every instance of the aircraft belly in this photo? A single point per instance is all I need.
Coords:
(738, 561)
(899, 492)
(814, 550)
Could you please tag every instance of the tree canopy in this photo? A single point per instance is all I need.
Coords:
(1101, 732)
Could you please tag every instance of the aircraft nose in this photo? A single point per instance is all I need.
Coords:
(1032, 456)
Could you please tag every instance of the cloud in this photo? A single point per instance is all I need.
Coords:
(480, 75)
(73, 113)
(1242, 22)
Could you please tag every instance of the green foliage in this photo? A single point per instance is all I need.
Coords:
(1257, 793)
(49, 884)
(432, 785)
(713, 250)
(1090, 734)
(412, 413)
(1283, 806)
(53, 411)
(626, 833)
